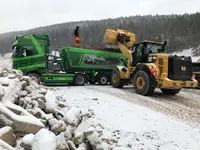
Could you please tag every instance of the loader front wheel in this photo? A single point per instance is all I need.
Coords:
(144, 83)
(170, 91)
(80, 79)
(115, 79)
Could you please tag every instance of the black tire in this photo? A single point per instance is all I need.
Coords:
(102, 80)
(170, 91)
(115, 79)
(80, 79)
(147, 84)
(35, 77)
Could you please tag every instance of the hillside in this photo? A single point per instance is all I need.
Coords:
(181, 31)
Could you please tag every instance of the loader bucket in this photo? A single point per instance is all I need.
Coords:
(110, 37)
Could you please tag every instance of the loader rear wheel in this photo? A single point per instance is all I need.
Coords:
(170, 91)
(103, 80)
(144, 83)
(80, 79)
(115, 79)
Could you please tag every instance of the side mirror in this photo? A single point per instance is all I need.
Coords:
(16, 37)
(165, 43)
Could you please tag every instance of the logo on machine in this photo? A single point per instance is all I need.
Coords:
(183, 68)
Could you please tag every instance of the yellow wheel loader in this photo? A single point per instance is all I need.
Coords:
(148, 66)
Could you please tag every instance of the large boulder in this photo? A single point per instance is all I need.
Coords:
(27, 141)
(18, 73)
(24, 83)
(69, 133)
(5, 82)
(7, 135)
(41, 103)
(79, 132)
(83, 126)
(2, 92)
(61, 142)
(44, 140)
(29, 89)
(43, 91)
(80, 148)
(12, 91)
(86, 146)
(71, 145)
(57, 126)
(5, 146)
(24, 94)
(93, 138)
(73, 117)
(51, 104)
(12, 76)
(20, 124)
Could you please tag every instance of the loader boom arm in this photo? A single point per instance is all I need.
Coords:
(124, 39)
(127, 53)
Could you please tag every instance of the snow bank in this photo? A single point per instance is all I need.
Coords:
(187, 52)
(42, 120)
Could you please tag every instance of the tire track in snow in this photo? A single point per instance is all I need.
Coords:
(181, 106)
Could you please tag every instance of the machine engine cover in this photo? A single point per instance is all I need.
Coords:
(180, 68)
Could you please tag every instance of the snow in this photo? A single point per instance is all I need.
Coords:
(137, 125)
(8, 56)
(187, 52)
(6, 63)
(28, 139)
(44, 140)
(5, 146)
(28, 119)
(50, 100)
(72, 116)
(11, 90)
(4, 130)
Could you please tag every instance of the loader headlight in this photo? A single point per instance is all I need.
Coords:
(152, 59)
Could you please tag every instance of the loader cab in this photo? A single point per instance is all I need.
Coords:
(141, 51)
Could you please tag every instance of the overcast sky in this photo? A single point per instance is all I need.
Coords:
(25, 14)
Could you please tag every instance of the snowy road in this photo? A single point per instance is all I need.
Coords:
(184, 106)
(158, 122)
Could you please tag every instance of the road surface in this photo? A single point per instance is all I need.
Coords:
(184, 106)
(156, 122)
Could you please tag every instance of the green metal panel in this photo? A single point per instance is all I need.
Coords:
(79, 59)
(30, 64)
(37, 61)
(56, 79)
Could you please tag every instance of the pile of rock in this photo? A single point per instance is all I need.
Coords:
(32, 117)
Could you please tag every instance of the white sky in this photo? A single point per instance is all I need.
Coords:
(25, 14)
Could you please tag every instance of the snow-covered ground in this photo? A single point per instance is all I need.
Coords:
(133, 124)
(8, 55)
(187, 52)
(6, 63)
